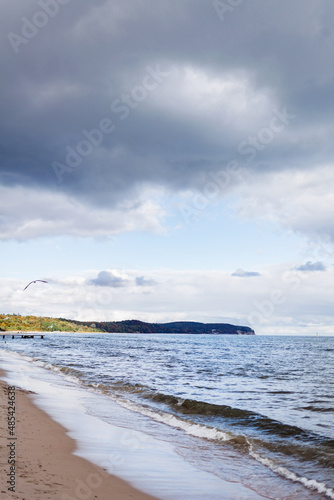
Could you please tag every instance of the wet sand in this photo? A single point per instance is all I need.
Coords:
(42, 460)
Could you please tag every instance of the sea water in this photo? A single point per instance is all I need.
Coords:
(191, 416)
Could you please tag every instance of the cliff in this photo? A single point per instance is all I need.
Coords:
(191, 327)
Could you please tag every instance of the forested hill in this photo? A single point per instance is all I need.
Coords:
(10, 322)
(135, 326)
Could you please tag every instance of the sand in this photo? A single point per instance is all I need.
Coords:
(45, 467)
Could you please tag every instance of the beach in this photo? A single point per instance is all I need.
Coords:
(45, 467)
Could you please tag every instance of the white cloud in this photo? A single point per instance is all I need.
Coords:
(240, 273)
(109, 279)
(219, 104)
(302, 201)
(311, 267)
(142, 281)
(30, 213)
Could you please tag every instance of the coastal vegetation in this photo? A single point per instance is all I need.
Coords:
(11, 322)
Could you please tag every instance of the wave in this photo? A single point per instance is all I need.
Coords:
(317, 409)
(214, 434)
(311, 484)
(191, 428)
(241, 417)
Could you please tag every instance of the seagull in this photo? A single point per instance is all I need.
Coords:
(42, 281)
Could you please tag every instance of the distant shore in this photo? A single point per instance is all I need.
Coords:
(36, 323)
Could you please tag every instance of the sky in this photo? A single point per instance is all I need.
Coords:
(168, 161)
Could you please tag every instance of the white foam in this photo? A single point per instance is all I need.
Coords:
(197, 430)
(311, 484)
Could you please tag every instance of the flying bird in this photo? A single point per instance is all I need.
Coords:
(35, 281)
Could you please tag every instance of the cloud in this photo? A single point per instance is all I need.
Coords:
(30, 213)
(133, 107)
(108, 279)
(240, 273)
(311, 266)
(113, 279)
(142, 281)
(297, 200)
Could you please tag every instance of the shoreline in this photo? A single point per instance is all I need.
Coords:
(44, 466)
(153, 467)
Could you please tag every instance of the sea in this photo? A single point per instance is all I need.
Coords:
(190, 416)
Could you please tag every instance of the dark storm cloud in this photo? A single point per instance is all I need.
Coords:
(102, 98)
